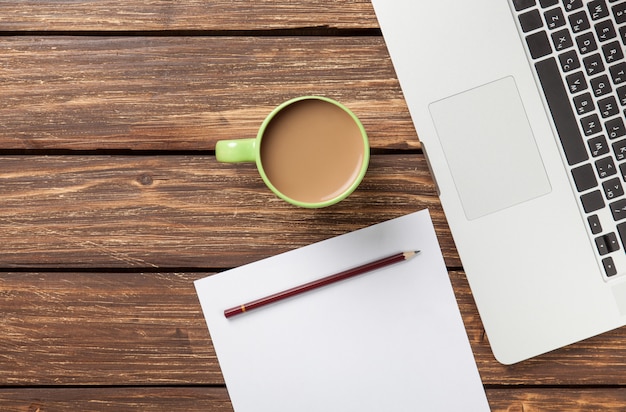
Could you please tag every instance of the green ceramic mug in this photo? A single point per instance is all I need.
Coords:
(311, 151)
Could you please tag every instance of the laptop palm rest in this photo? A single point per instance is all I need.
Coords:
(490, 148)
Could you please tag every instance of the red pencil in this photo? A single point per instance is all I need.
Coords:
(398, 257)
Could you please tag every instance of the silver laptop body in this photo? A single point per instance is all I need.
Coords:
(521, 177)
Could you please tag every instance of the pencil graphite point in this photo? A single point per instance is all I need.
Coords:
(411, 254)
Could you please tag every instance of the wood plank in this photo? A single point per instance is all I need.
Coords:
(216, 399)
(103, 329)
(183, 399)
(185, 93)
(183, 211)
(557, 399)
(98, 15)
(147, 329)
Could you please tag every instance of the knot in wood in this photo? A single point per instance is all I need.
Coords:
(145, 179)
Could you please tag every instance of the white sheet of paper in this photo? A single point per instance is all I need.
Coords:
(388, 340)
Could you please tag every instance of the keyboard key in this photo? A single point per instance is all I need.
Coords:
(618, 73)
(538, 44)
(621, 95)
(607, 243)
(605, 30)
(621, 230)
(622, 34)
(605, 167)
(608, 108)
(594, 224)
(598, 146)
(583, 104)
(609, 266)
(571, 5)
(561, 109)
(614, 127)
(613, 189)
(591, 125)
(579, 22)
(611, 242)
(523, 4)
(554, 18)
(530, 21)
(619, 12)
(586, 43)
(622, 169)
(562, 40)
(601, 85)
(584, 177)
(601, 245)
(619, 148)
(618, 210)
(569, 61)
(592, 201)
(598, 9)
(612, 52)
(593, 64)
(576, 82)
(548, 3)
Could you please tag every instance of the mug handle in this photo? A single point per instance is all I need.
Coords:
(236, 151)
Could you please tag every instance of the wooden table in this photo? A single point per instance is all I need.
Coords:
(112, 203)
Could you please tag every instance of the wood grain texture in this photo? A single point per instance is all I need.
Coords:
(160, 15)
(557, 400)
(216, 399)
(185, 93)
(147, 329)
(159, 399)
(104, 329)
(183, 211)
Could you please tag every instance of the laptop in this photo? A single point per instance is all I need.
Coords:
(519, 105)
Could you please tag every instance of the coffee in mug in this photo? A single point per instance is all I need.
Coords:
(311, 151)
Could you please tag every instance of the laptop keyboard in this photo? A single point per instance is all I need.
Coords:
(577, 48)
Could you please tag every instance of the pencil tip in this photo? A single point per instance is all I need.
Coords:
(411, 254)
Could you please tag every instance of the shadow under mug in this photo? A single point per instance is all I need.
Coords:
(311, 151)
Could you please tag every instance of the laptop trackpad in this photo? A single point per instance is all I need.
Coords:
(490, 148)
